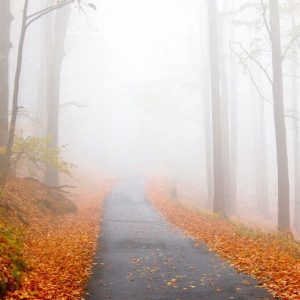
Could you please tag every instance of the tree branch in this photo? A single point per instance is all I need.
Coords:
(258, 63)
(249, 73)
(39, 14)
(288, 47)
(76, 104)
(265, 19)
(291, 75)
(246, 68)
(47, 9)
(51, 187)
(190, 118)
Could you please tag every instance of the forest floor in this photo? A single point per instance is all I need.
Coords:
(141, 256)
(272, 258)
(46, 240)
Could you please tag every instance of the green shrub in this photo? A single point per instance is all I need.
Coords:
(34, 153)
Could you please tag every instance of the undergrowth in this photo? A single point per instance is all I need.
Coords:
(23, 204)
(12, 263)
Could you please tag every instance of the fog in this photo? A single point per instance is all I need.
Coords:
(136, 97)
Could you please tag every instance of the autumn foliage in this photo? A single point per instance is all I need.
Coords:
(58, 240)
(272, 258)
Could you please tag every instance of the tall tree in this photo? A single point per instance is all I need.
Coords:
(218, 205)
(56, 31)
(296, 147)
(273, 30)
(27, 20)
(5, 19)
(5, 163)
(279, 119)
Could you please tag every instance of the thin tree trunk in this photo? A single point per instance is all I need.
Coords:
(41, 95)
(225, 120)
(208, 143)
(54, 66)
(5, 19)
(260, 158)
(6, 162)
(264, 205)
(216, 109)
(279, 120)
(233, 127)
(205, 91)
(233, 138)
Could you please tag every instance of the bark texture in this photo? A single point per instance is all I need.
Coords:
(279, 120)
(5, 19)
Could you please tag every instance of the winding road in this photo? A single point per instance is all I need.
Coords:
(142, 257)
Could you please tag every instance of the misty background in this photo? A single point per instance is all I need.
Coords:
(135, 96)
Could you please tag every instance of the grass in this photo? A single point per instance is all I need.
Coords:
(11, 261)
(243, 230)
(286, 242)
(202, 212)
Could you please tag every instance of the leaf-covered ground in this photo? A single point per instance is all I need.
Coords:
(272, 258)
(57, 247)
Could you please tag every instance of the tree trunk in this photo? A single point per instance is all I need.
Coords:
(260, 155)
(5, 19)
(40, 114)
(206, 111)
(5, 163)
(279, 120)
(233, 127)
(208, 143)
(218, 168)
(225, 120)
(233, 138)
(264, 204)
(55, 58)
(295, 108)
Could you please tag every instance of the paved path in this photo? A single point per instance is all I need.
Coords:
(144, 258)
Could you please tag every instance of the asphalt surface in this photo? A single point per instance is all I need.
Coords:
(141, 257)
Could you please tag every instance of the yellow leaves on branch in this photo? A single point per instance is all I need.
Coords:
(272, 258)
(31, 154)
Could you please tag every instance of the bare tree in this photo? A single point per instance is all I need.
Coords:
(6, 161)
(278, 56)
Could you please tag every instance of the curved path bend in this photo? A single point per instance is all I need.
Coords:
(141, 257)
